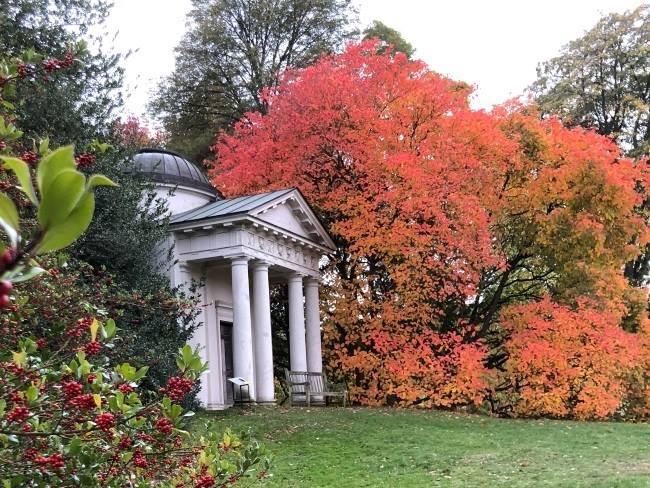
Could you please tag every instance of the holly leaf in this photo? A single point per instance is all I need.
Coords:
(21, 170)
(66, 233)
(61, 197)
(99, 180)
(9, 220)
(52, 165)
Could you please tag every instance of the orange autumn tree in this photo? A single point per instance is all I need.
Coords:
(568, 223)
(440, 218)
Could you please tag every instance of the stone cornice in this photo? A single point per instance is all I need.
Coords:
(245, 221)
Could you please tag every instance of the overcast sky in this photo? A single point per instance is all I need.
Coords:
(493, 44)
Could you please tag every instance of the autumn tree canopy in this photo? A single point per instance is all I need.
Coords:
(447, 221)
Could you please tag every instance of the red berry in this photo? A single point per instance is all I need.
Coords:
(4, 301)
(105, 421)
(85, 159)
(164, 426)
(50, 65)
(23, 69)
(68, 60)
(29, 157)
(18, 415)
(83, 402)
(139, 460)
(5, 287)
(92, 348)
(125, 443)
(7, 256)
(72, 388)
(177, 387)
(205, 481)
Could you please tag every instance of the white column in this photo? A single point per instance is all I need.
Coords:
(312, 306)
(242, 339)
(264, 387)
(297, 349)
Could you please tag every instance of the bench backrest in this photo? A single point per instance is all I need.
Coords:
(294, 380)
(317, 381)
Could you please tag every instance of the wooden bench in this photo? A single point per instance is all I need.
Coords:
(305, 387)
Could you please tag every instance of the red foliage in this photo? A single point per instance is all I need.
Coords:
(443, 216)
(568, 363)
(131, 133)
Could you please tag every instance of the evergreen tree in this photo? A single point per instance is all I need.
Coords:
(79, 103)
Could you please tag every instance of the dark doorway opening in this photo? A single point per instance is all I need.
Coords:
(226, 347)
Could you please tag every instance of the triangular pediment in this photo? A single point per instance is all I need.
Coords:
(291, 212)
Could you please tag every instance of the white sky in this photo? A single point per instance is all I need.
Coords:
(492, 44)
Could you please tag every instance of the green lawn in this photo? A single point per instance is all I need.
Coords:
(353, 447)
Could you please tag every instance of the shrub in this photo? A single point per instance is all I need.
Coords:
(567, 363)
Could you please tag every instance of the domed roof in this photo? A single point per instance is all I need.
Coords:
(168, 167)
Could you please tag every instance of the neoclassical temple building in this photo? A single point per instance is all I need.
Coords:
(236, 249)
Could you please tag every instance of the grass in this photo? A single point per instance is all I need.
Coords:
(358, 447)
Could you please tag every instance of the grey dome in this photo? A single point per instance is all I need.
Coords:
(167, 167)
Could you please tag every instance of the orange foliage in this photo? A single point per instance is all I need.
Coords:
(567, 363)
(444, 217)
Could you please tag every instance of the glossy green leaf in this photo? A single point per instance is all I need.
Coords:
(100, 180)
(26, 274)
(9, 220)
(51, 165)
(66, 233)
(21, 170)
(60, 198)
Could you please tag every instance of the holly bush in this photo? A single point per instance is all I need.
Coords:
(71, 413)
(66, 416)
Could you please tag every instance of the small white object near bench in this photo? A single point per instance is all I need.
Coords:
(304, 387)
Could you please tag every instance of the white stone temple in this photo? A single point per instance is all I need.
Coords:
(236, 248)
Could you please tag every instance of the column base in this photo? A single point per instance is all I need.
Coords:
(268, 403)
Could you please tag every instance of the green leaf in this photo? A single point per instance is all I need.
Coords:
(74, 447)
(26, 275)
(19, 358)
(44, 146)
(112, 404)
(9, 220)
(52, 165)
(110, 328)
(60, 198)
(187, 354)
(21, 170)
(64, 234)
(31, 394)
(140, 373)
(100, 180)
